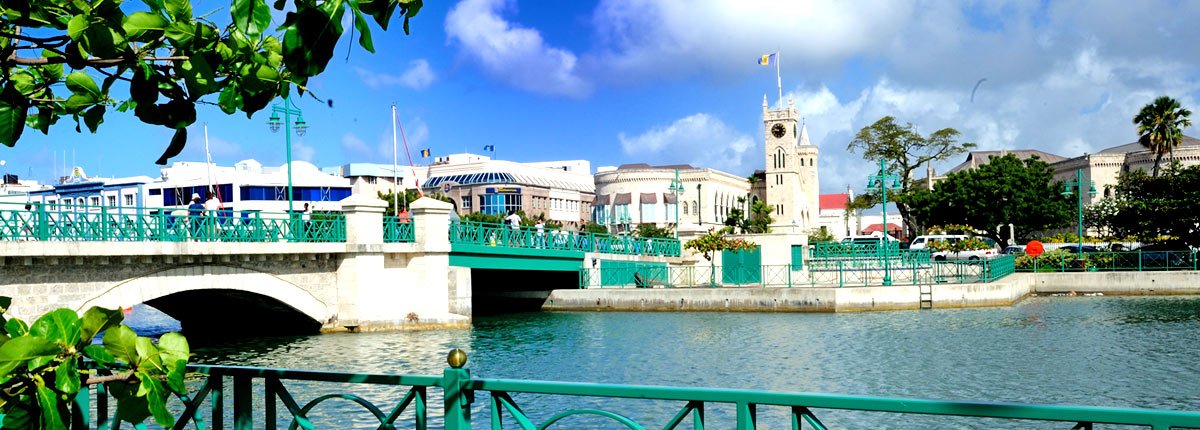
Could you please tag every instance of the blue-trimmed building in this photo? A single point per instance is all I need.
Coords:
(80, 193)
(248, 186)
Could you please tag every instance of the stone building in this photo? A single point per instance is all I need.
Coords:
(1105, 167)
(635, 194)
(791, 169)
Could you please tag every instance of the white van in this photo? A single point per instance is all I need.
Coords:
(922, 241)
(870, 239)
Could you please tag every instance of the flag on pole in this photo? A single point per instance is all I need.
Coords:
(767, 60)
(491, 148)
(424, 152)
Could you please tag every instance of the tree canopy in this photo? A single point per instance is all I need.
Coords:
(1160, 127)
(169, 59)
(905, 150)
(1003, 191)
(1152, 208)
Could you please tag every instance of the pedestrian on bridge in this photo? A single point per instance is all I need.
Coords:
(514, 221)
(196, 216)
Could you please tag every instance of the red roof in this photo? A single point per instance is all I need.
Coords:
(833, 201)
(876, 227)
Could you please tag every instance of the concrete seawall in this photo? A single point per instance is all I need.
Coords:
(1005, 292)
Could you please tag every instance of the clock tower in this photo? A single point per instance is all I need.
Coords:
(791, 169)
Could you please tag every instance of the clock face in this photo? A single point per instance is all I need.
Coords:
(778, 130)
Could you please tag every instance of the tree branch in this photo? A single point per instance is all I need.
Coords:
(93, 61)
(63, 39)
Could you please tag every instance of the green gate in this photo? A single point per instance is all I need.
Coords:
(741, 267)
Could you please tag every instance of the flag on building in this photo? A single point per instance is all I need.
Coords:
(424, 152)
(491, 148)
(767, 60)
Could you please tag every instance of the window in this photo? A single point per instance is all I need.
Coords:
(695, 208)
(112, 200)
(370, 179)
(95, 201)
(53, 204)
(499, 203)
(156, 192)
(466, 202)
(801, 162)
(685, 211)
(647, 212)
(129, 200)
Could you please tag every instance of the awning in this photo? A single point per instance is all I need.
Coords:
(649, 198)
(669, 198)
(622, 199)
(600, 201)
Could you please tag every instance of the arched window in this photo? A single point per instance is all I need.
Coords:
(685, 212)
(782, 158)
(801, 162)
(695, 208)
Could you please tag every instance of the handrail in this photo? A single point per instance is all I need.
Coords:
(459, 388)
(504, 235)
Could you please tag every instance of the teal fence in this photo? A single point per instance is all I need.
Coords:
(489, 234)
(458, 391)
(398, 229)
(1061, 261)
(822, 273)
(126, 224)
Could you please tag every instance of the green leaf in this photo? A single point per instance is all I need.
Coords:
(77, 102)
(178, 141)
(179, 10)
(149, 356)
(251, 16)
(66, 377)
(13, 111)
(142, 87)
(60, 326)
(310, 38)
(75, 28)
(174, 347)
(24, 82)
(98, 319)
(81, 83)
(364, 32)
(21, 349)
(230, 99)
(175, 376)
(50, 404)
(94, 117)
(140, 26)
(198, 75)
(155, 5)
(130, 407)
(121, 342)
(181, 33)
(98, 354)
(5, 303)
(15, 327)
(157, 399)
(103, 41)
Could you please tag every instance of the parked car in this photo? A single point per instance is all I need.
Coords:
(1074, 249)
(922, 241)
(871, 239)
(1013, 249)
(1164, 256)
(978, 254)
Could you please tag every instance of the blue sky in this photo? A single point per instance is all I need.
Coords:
(673, 81)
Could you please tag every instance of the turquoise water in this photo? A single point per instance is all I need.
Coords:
(1101, 351)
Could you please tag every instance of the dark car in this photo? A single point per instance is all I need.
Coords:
(1074, 249)
(1163, 256)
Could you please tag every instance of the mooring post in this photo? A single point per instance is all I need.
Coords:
(457, 397)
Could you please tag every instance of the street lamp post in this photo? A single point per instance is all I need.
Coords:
(287, 108)
(880, 182)
(1078, 184)
(699, 206)
(676, 187)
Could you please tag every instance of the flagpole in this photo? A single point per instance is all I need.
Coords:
(395, 199)
(778, 80)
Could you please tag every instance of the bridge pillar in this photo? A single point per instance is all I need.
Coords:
(360, 270)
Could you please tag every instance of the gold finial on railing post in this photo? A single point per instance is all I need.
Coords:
(457, 358)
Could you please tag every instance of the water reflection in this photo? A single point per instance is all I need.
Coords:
(1104, 351)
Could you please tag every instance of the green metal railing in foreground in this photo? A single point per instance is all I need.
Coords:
(125, 224)
(398, 229)
(823, 273)
(1123, 261)
(458, 393)
(488, 234)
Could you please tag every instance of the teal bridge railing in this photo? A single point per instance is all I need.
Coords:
(1116, 261)
(129, 224)
(823, 273)
(501, 235)
(398, 229)
(205, 406)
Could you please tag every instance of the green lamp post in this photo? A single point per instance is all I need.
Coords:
(287, 108)
(1079, 183)
(676, 187)
(880, 182)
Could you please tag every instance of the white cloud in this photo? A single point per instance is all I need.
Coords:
(303, 152)
(700, 140)
(353, 146)
(418, 76)
(512, 54)
(223, 152)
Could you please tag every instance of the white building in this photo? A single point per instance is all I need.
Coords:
(635, 194)
(372, 179)
(248, 186)
(835, 218)
(560, 190)
(82, 193)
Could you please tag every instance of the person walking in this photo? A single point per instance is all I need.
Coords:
(541, 233)
(306, 218)
(212, 208)
(514, 221)
(196, 216)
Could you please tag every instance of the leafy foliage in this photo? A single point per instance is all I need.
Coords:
(760, 218)
(968, 244)
(715, 241)
(169, 59)
(40, 367)
(820, 235)
(1005, 190)
(595, 227)
(1160, 127)
(1153, 207)
(652, 231)
(905, 151)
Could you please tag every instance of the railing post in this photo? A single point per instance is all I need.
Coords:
(43, 223)
(1139, 259)
(457, 397)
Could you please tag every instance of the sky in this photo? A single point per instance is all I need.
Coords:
(677, 81)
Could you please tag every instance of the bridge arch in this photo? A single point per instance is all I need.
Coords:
(220, 298)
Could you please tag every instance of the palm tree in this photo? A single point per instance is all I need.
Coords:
(1160, 126)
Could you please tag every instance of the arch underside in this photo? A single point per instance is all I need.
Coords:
(221, 300)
